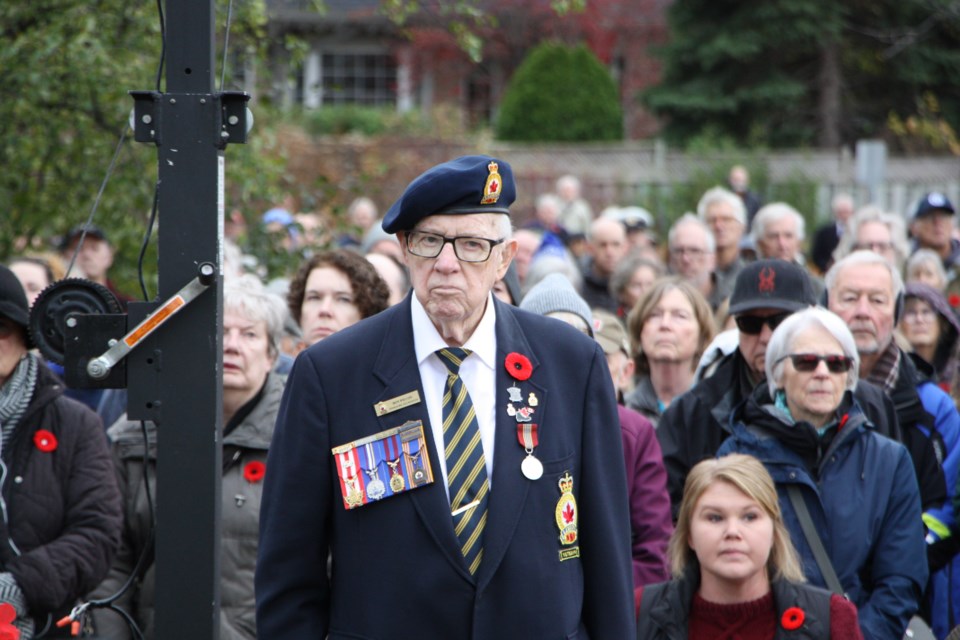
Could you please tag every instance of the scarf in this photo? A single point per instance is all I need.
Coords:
(885, 371)
(15, 396)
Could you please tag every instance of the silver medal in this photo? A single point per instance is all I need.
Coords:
(375, 489)
(531, 468)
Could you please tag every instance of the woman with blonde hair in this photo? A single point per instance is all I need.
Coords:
(735, 571)
(669, 329)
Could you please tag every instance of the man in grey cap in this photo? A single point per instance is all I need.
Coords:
(451, 455)
(695, 425)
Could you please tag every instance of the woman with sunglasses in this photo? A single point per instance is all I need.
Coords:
(834, 472)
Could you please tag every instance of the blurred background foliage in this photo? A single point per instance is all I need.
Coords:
(739, 78)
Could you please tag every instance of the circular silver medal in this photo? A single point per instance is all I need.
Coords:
(531, 468)
(375, 489)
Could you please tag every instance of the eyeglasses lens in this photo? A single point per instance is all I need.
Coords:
(752, 325)
(807, 362)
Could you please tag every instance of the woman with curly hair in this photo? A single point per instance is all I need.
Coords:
(334, 290)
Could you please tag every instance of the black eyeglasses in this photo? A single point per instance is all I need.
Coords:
(752, 325)
(876, 247)
(807, 362)
(467, 248)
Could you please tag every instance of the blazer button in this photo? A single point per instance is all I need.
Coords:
(18, 479)
(793, 475)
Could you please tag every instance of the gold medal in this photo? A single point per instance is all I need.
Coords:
(397, 483)
(354, 496)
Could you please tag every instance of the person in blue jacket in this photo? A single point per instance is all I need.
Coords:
(867, 292)
(858, 486)
(457, 460)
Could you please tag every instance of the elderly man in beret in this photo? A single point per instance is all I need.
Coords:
(455, 458)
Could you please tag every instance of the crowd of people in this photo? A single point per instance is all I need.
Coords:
(418, 436)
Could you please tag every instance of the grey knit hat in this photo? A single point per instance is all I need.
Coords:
(555, 293)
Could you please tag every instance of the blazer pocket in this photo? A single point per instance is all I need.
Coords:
(558, 465)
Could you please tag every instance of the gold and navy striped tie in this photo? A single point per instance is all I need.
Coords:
(466, 466)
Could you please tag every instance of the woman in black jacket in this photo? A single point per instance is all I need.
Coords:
(736, 574)
(60, 516)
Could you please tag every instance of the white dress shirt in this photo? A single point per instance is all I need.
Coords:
(478, 373)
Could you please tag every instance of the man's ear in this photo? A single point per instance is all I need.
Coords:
(402, 239)
(506, 256)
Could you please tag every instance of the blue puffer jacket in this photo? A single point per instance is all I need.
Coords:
(861, 491)
(944, 592)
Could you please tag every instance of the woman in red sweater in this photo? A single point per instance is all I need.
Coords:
(736, 574)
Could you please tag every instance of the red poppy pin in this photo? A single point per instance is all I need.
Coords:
(518, 366)
(45, 440)
(792, 619)
(954, 300)
(7, 615)
(254, 471)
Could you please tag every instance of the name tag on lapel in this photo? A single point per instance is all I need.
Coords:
(395, 404)
(383, 465)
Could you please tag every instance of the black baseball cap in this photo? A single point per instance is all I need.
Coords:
(93, 232)
(772, 284)
(933, 201)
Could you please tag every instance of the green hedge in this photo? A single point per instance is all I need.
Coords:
(561, 94)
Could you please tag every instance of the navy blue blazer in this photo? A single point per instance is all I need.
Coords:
(397, 571)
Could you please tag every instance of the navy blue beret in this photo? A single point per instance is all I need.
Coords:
(469, 184)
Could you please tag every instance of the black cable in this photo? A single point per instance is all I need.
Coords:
(226, 42)
(96, 201)
(134, 629)
(163, 43)
(146, 554)
(146, 240)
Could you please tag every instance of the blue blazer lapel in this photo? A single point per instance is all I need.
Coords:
(396, 366)
(509, 488)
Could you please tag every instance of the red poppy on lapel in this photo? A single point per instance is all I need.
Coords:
(45, 441)
(254, 471)
(792, 619)
(518, 366)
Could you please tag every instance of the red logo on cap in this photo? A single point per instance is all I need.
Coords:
(766, 280)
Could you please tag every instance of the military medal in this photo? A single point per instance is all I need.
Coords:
(401, 448)
(392, 446)
(397, 482)
(531, 467)
(354, 495)
(347, 464)
(419, 476)
(375, 488)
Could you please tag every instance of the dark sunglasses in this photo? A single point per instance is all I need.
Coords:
(807, 362)
(752, 325)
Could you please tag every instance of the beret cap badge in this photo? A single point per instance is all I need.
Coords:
(493, 185)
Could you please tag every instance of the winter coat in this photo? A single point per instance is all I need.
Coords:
(862, 495)
(63, 513)
(643, 400)
(695, 424)
(650, 521)
(941, 521)
(665, 610)
(244, 450)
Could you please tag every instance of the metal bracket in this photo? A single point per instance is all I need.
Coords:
(234, 118)
(146, 116)
(100, 366)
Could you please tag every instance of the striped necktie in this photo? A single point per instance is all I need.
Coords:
(466, 466)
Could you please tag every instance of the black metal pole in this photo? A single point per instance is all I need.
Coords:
(190, 346)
